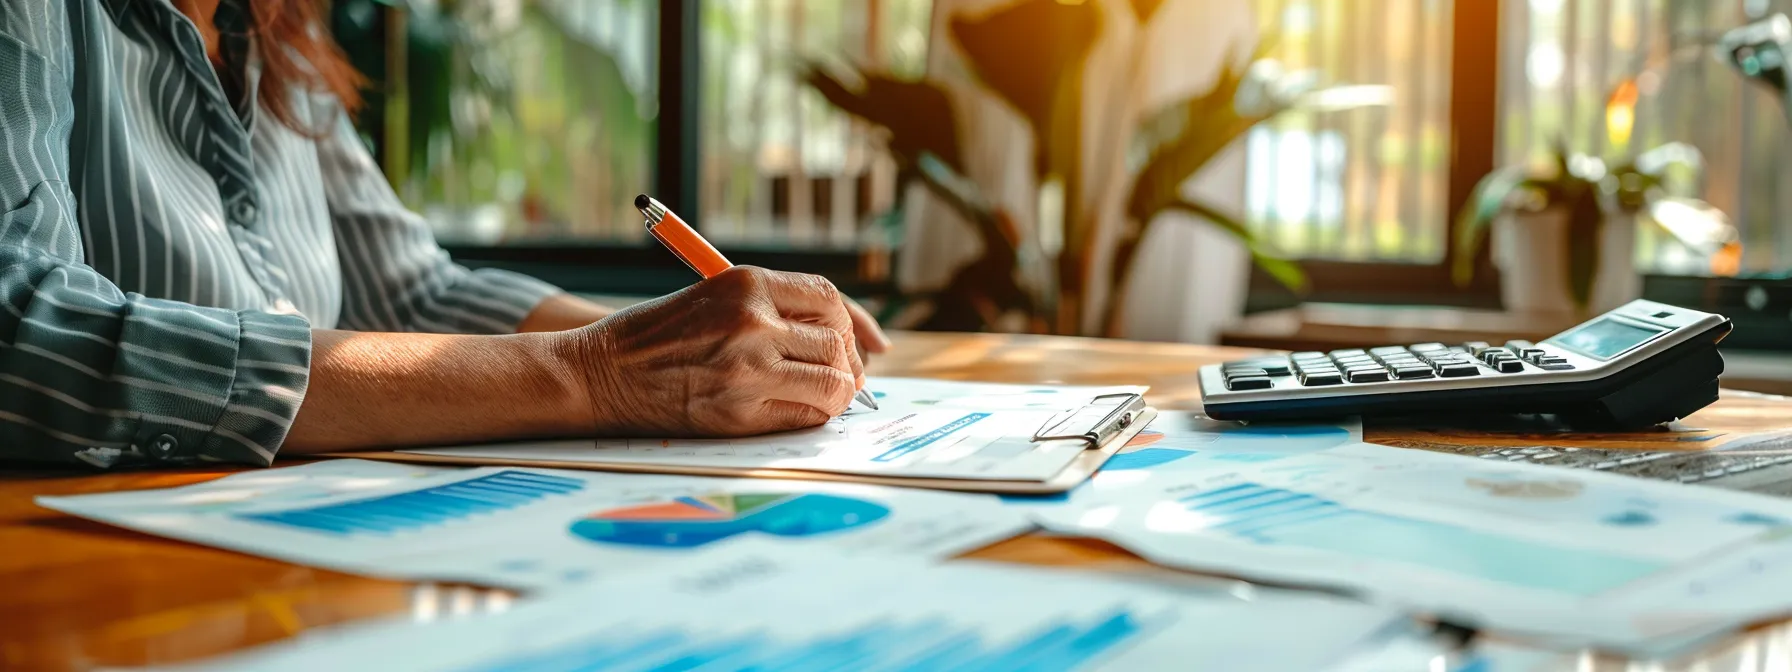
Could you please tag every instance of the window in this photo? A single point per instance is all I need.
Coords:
(522, 130)
(1561, 57)
(527, 123)
(1366, 183)
(780, 167)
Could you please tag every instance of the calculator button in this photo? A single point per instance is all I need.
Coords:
(1458, 370)
(1550, 363)
(1246, 373)
(1413, 372)
(1508, 366)
(1349, 353)
(1368, 376)
(1532, 353)
(1304, 356)
(1248, 383)
(1517, 346)
(1386, 350)
(1428, 347)
(1329, 378)
(1353, 361)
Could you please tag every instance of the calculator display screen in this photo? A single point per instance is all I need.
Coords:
(1605, 338)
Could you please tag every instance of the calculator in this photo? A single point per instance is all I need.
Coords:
(1642, 364)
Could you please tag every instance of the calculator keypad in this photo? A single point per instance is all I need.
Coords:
(1392, 362)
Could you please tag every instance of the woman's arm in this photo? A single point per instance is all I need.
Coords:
(561, 312)
(747, 352)
(377, 390)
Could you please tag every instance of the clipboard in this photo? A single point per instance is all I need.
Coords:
(1102, 426)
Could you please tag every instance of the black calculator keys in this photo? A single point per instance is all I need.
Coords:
(1415, 371)
(1374, 375)
(1502, 360)
(1552, 363)
(1428, 347)
(1519, 346)
(1458, 370)
(1269, 366)
(1317, 378)
(1387, 350)
(1248, 383)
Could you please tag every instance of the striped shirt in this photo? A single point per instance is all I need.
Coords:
(166, 247)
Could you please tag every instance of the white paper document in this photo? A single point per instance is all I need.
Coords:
(749, 608)
(536, 528)
(1580, 556)
(924, 429)
(1180, 442)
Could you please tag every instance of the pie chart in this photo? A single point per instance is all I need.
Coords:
(691, 521)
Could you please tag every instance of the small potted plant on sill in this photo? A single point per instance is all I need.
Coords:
(1564, 235)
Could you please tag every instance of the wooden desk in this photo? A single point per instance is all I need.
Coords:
(76, 594)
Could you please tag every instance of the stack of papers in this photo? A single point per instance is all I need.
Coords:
(764, 608)
(971, 436)
(635, 570)
(536, 528)
(1573, 557)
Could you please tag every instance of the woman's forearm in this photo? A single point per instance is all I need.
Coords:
(383, 390)
(562, 312)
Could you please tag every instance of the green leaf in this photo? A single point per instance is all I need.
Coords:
(1024, 51)
(1201, 127)
(1586, 220)
(918, 114)
(1485, 203)
(1285, 271)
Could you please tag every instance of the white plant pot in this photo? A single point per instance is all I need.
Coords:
(1531, 251)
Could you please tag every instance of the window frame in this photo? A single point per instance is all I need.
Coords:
(630, 269)
(643, 269)
(1474, 107)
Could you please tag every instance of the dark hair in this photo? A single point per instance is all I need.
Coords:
(294, 43)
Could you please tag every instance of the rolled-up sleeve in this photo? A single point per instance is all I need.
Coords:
(92, 375)
(395, 276)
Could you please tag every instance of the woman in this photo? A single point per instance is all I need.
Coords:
(200, 262)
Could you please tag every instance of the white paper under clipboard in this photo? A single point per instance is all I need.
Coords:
(1074, 443)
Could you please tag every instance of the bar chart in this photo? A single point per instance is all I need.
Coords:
(1273, 516)
(936, 643)
(426, 507)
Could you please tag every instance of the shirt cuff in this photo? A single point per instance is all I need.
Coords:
(226, 392)
(273, 367)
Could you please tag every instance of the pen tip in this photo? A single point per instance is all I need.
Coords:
(865, 397)
(641, 201)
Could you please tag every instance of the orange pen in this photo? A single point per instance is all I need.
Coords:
(691, 248)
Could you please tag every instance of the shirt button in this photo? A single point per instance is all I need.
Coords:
(162, 447)
(244, 212)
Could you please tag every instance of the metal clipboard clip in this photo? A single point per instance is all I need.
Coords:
(1096, 423)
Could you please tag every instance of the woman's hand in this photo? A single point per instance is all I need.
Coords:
(746, 352)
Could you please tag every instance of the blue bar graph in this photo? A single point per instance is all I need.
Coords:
(929, 645)
(1276, 517)
(417, 509)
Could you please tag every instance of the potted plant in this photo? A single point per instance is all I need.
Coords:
(1564, 233)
